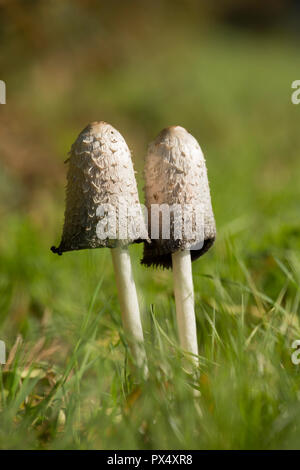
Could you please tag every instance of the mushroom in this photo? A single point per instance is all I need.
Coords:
(101, 187)
(176, 178)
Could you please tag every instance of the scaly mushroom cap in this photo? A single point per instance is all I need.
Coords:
(175, 173)
(100, 172)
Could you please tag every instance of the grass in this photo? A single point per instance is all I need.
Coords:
(67, 384)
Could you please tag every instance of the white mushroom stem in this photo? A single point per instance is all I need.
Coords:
(184, 299)
(129, 304)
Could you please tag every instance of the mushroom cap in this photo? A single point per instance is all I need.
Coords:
(175, 173)
(100, 172)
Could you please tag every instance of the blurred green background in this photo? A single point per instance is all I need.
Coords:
(224, 71)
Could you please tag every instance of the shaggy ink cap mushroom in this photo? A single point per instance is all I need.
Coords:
(175, 173)
(100, 172)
